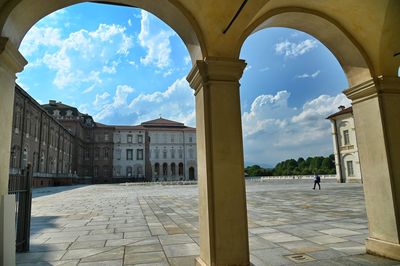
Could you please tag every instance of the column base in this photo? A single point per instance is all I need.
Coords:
(7, 230)
(200, 262)
(382, 248)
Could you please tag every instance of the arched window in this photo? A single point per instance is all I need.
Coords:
(165, 169)
(157, 169)
(180, 172)
(173, 169)
(191, 173)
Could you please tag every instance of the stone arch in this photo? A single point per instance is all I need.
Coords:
(350, 54)
(15, 21)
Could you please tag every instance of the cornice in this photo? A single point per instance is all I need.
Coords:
(215, 69)
(11, 59)
(373, 87)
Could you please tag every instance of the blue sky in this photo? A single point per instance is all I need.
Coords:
(125, 66)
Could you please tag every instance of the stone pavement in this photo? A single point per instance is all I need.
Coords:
(289, 223)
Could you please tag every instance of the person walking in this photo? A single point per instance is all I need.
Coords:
(317, 180)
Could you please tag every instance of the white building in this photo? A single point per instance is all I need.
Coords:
(129, 152)
(345, 146)
(156, 150)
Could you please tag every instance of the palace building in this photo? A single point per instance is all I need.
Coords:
(65, 146)
(345, 146)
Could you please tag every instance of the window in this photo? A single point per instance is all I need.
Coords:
(106, 136)
(129, 171)
(118, 154)
(129, 138)
(180, 154)
(96, 153)
(118, 170)
(106, 153)
(172, 153)
(96, 171)
(118, 138)
(346, 137)
(165, 154)
(87, 157)
(350, 170)
(139, 170)
(139, 154)
(172, 138)
(140, 138)
(157, 152)
(129, 154)
(190, 139)
(191, 153)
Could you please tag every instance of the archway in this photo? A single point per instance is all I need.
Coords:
(191, 173)
(364, 90)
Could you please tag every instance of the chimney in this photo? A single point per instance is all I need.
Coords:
(52, 102)
(341, 108)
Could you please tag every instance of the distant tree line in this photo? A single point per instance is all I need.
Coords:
(311, 165)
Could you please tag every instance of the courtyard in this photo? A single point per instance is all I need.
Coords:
(125, 224)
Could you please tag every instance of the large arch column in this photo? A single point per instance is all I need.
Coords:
(222, 197)
(11, 62)
(376, 108)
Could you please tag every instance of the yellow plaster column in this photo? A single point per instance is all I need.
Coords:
(11, 62)
(376, 108)
(222, 197)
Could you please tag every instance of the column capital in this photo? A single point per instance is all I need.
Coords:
(11, 60)
(215, 69)
(373, 87)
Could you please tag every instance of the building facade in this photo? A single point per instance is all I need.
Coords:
(156, 150)
(345, 146)
(61, 142)
(40, 140)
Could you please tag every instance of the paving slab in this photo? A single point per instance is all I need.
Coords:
(158, 225)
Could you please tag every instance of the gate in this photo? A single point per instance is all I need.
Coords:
(21, 186)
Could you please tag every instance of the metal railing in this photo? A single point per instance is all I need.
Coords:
(21, 186)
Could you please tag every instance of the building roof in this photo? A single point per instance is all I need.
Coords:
(341, 112)
(161, 122)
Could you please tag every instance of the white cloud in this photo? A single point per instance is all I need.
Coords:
(129, 22)
(176, 103)
(111, 69)
(168, 72)
(292, 49)
(187, 60)
(80, 52)
(100, 98)
(157, 45)
(264, 69)
(274, 131)
(305, 75)
(247, 68)
(89, 89)
(37, 36)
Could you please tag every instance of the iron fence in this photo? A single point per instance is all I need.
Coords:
(21, 186)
